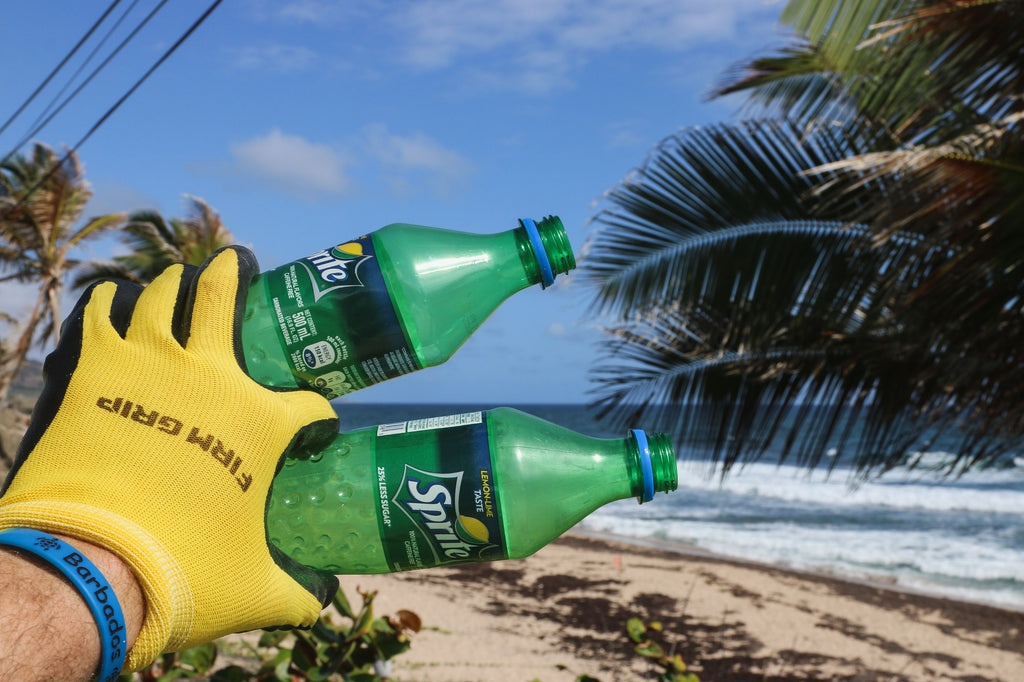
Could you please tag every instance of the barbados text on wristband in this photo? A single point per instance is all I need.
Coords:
(97, 592)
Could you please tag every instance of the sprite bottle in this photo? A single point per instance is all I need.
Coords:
(399, 299)
(480, 486)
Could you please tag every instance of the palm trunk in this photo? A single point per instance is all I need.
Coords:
(11, 364)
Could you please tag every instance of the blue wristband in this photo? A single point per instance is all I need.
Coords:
(95, 590)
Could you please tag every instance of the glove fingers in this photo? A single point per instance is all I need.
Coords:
(156, 305)
(114, 310)
(321, 584)
(218, 301)
(97, 314)
(316, 421)
(104, 310)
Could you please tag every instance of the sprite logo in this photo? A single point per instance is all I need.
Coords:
(335, 268)
(431, 501)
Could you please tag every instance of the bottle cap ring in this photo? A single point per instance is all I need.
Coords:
(645, 464)
(546, 273)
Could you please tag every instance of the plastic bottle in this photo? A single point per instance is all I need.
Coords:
(471, 487)
(391, 302)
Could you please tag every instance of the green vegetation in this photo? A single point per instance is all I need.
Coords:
(42, 196)
(357, 649)
(842, 269)
(156, 243)
(671, 668)
(666, 666)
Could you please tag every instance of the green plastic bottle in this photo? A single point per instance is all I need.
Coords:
(479, 486)
(391, 302)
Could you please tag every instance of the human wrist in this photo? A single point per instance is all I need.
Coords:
(48, 631)
(119, 574)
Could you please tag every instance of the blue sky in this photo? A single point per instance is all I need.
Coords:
(308, 122)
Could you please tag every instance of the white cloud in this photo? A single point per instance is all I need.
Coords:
(406, 164)
(300, 11)
(536, 73)
(292, 163)
(276, 58)
(531, 46)
(331, 15)
(405, 160)
(558, 329)
(308, 10)
(439, 32)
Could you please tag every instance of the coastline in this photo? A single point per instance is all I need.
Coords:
(879, 581)
(562, 613)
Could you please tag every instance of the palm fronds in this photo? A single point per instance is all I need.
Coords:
(853, 259)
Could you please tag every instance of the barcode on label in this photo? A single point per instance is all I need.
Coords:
(444, 422)
(430, 423)
(391, 429)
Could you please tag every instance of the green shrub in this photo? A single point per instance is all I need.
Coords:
(358, 649)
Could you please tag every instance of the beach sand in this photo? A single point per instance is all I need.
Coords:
(562, 613)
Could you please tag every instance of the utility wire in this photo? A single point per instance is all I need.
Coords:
(64, 61)
(35, 127)
(184, 36)
(32, 133)
(191, 29)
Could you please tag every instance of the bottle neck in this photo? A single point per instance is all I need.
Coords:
(544, 249)
(653, 467)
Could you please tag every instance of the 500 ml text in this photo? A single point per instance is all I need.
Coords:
(173, 427)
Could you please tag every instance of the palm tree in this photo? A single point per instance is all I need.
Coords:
(156, 243)
(842, 272)
(42, 197)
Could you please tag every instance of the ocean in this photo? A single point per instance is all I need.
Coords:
(960, 538)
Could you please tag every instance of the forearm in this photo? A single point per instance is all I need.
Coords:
(46, 630)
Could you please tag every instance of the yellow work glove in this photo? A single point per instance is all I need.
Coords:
(151, 440)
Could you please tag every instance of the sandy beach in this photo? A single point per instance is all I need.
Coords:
(562, 613)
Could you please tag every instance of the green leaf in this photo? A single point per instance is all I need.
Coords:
(281, 670)
(318, 674)
(636, 629)
(650, 650)
(232, 673)
(304, 656)
(342, 604)
(390, 646)
(363, 623)
(200, 658)
(271, 638)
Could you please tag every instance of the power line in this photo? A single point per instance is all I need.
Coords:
(184, 36)
(32, 133)
(35, 127)
(167, 53)
(64, 61)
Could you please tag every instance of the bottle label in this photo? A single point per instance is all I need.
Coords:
(437, 501)
(336, 320)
